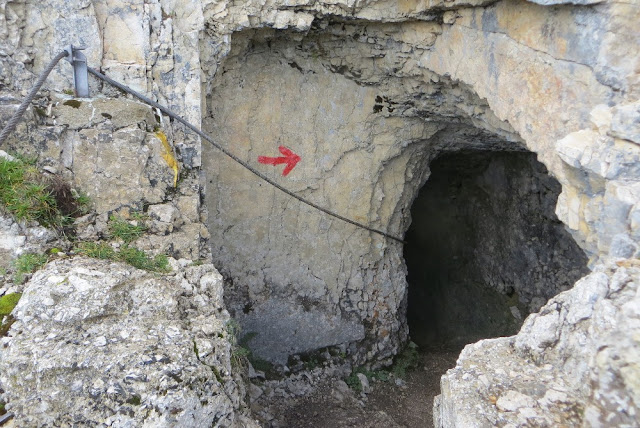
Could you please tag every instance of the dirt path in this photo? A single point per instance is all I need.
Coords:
(334, 405)
(412, 405)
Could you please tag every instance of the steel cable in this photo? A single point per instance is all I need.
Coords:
(173, 115)
(11, 124)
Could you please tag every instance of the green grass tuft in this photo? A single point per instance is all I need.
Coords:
(139, 259)
(126, 231)
(97, 250)
(405, 361)
(23, 195)
(135, 400)
(27, 263)
(29, 196)
(131, 255)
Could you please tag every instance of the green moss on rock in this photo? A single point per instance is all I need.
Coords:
(8, 302)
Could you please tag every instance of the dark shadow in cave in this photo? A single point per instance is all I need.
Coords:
(485, 248)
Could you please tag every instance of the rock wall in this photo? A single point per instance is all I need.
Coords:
(365, 147)
(118, 154)
(413, 93)
(550, 72)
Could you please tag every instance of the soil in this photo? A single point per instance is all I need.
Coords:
(331, 404)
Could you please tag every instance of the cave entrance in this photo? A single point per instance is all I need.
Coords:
(484, 248)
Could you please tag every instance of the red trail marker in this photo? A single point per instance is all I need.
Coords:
(290, 158)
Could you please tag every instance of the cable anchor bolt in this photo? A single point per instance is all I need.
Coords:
(80, 75)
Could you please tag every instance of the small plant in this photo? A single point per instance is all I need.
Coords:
(239, 352)
(82, 200)
(5, 324)
(139, 259)
(23, 194)
(127, 231)
(406, 360)
(354, 382)
(135, 400)
(97, 250)
(30, 196)
(27, 263)
(7, 303)
(311, 364)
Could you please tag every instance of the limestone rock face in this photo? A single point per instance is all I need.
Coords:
(575, 362)
(101, 343)
(544, 109)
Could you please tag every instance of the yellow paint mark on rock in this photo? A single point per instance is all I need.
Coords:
(167, 155)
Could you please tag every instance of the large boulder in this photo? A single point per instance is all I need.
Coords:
(97, 343)
(576, 362)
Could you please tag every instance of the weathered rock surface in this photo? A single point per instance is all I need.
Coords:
(574, 363)
(17, 238)
(103, 344)
(116, 152)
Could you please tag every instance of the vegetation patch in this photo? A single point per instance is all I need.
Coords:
(8, 302)
(27, 263)
(127, 232)
(355, 384)
(241, 353)
(141, 260)
(131, 255)
(5, 324)
(135, 400)
(404, 362)
(31, 196)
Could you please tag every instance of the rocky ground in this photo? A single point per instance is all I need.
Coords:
(332, 403)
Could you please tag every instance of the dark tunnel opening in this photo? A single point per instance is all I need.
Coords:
(485, 248)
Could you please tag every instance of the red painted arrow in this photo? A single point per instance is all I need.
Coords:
(290, 158)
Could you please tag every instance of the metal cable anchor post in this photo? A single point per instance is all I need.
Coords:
(80, 74)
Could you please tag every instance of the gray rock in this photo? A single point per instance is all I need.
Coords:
(626, 122)
(572, 363)
(558, 2)
(526, 84)
(284, 329)
(96, 342)
(364, 383)
(17, 238)
(623, 246)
